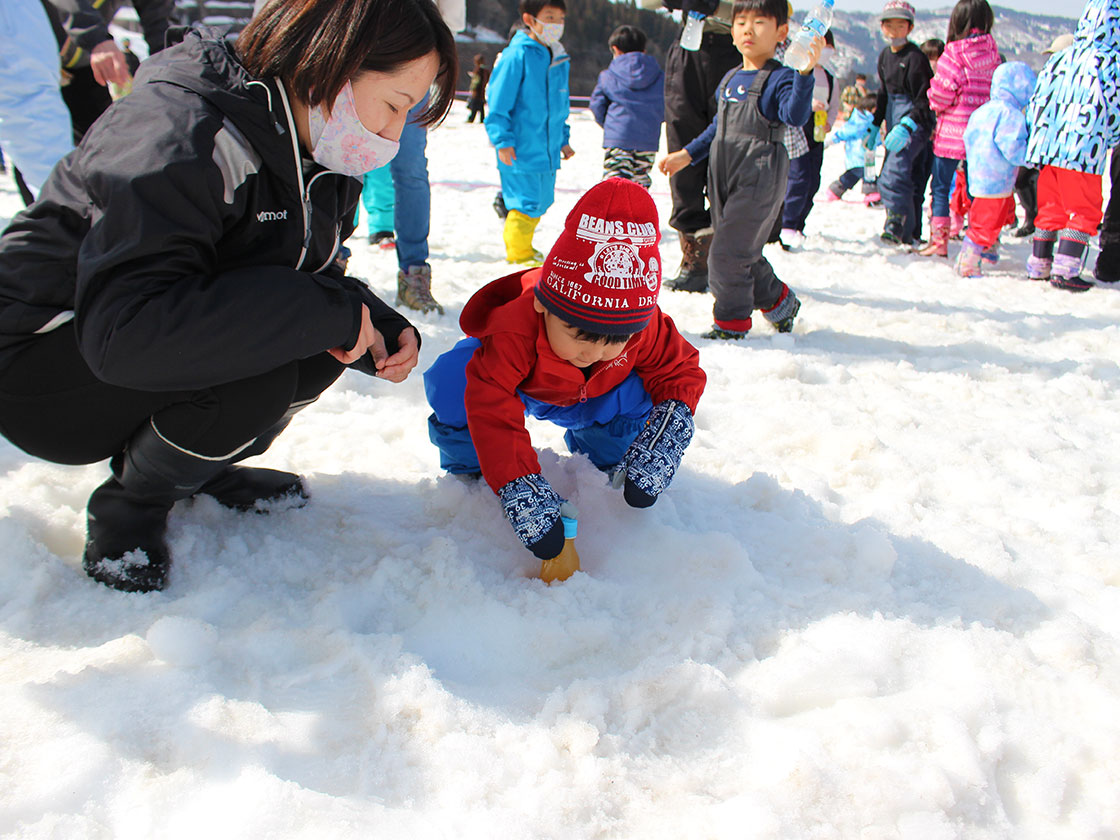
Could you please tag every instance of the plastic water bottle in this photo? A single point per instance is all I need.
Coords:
(566, 563)
(817, 23)
(694, 31)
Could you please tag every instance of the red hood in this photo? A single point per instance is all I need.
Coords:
(482, 315)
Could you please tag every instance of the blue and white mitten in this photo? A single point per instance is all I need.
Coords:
(533, 509)
(652, 459)
(898, 138)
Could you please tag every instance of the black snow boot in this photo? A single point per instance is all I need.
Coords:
(127, 515)
(1107, 268)
(693, 273)
(258, 488)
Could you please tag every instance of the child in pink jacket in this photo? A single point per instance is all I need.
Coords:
(961, 84)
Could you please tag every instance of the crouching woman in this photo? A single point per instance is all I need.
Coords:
(172, 298)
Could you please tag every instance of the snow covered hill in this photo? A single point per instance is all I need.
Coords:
(881, 600)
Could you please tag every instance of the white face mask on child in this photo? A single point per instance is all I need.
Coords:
(897, 43)
(341, 143)
(550, 33)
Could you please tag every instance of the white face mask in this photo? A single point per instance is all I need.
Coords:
(550, 33)
(896, 42)
(827, 54)
(342, 144)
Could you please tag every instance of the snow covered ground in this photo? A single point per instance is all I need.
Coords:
(881, 599)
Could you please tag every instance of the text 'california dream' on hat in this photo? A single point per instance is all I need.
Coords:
(604, 272)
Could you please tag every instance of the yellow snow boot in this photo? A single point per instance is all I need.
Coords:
(518, 236)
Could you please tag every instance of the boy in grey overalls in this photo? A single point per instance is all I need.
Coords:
(748, 169)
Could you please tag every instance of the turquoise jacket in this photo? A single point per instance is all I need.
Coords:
(528, 100)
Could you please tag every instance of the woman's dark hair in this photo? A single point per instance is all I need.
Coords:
(478, 60)
(533, 7)
(627, 39)
(968, 15)
(829, 38)
(317, 46)
(777, 9)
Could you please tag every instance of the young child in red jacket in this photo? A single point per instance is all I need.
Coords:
(582, 343)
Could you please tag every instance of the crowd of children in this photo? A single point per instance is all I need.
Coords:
(576, 337)
(581, 341)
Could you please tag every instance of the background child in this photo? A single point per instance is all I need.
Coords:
(853, 132)
(582, 343)
(851, 96)
(476, 101)
(961, 85)
(629, 103)
(1074, 120)
(995, 141)
(528, 122)
(904, 74)
(748, 168)
(805, 170)
(933, 49)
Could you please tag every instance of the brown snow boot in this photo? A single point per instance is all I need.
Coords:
(693, 273)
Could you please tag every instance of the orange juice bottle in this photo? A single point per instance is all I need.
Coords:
(566, 563)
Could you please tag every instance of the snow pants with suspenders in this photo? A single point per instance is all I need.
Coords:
(747, 176)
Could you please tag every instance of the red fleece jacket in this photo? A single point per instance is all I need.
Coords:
(515, 356)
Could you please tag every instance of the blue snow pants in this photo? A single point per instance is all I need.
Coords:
(602, 428)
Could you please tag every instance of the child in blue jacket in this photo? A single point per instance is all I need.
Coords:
(995, 144)
(528, 122)
(629, 103)
(853, 131)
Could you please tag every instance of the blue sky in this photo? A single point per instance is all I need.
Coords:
(1063, 8)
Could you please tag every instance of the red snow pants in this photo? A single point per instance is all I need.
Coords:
(1068, 200)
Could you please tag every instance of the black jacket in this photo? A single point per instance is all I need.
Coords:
(905, 72)
(187, 237)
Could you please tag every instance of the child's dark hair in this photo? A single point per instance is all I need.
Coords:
(933, 48)
(777, 9)
(868, 102)
(861, 76)
(533, 7)
(602, 338)
(627, 39)
(968, 15)
(829, 39)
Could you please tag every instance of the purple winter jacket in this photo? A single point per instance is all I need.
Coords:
(962, 83)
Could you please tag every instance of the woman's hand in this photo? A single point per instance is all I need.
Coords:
(395, 368)
(675, 162)
(367, 337)
(507, 155)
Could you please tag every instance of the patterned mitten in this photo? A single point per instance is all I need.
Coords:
(533, 509)
(655, 454)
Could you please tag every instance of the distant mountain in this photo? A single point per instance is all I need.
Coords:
(1021, 36)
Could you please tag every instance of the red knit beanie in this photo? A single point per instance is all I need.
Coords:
(604, 272)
